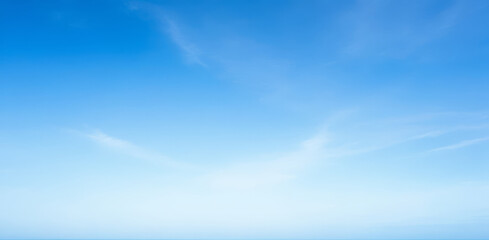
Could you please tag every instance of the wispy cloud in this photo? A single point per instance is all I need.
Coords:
(240, 175)
(332, 142)
(371, 34)
(230, 54)
(173, 30)
(460, 144)
(135, 151)
(347, 152)
(191, 51)
(258, 174)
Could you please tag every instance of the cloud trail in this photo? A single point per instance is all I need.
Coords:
(135, 151)
(238, 176)
(173, 30)
(460, 144)
(252, 175)
(191, 51)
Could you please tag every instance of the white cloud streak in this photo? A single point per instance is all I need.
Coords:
(135, 151)
(173, 30)
(238, 176)
(461, 144)
(370, 34)
(254, 175)
(191, 51)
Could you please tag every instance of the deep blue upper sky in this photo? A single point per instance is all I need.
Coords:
(244, 119)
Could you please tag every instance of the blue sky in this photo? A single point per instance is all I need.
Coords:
(244, 119)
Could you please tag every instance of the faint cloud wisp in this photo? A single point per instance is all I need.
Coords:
(135, 151)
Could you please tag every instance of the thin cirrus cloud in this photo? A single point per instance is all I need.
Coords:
(249, 175)
(400, 38)
(173, 30)
(191, 51)
(135, 151)
(237, 58)
(259, 172)
(461, 144)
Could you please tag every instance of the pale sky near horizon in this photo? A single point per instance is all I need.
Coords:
(244, 119)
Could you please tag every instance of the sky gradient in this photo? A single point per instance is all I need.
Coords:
(244, 119)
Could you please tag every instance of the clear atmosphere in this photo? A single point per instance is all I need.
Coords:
(244, 119)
